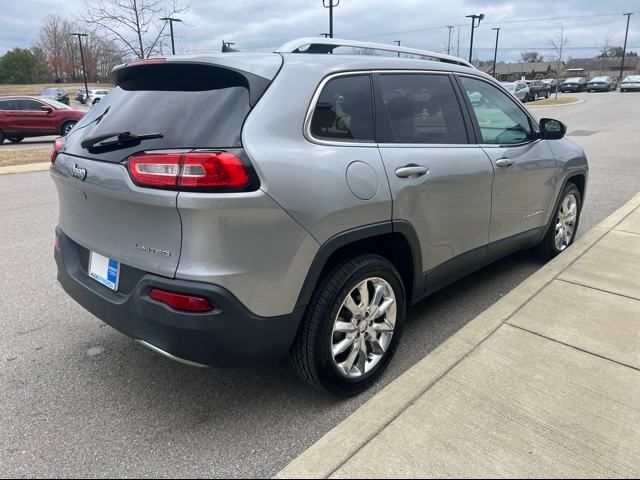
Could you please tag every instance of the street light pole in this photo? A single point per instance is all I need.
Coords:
(624, 50)
(171, 20)
(495, 55)
(398, 42)
(84, 70)
(330, 5)
(473, 27)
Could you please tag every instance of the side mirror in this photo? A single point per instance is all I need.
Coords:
(46, 108)
(552, 129)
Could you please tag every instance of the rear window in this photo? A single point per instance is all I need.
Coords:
(192, 106)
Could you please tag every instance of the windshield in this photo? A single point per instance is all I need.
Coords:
(573, 80)
(600, 79)
(633, 78)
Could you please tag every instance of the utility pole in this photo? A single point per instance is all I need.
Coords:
(171, 20)
(398, 42)
(495, 55)
(330, 4)
(450, 27)
(84, 70)
(473, 27)
(458, 49)
(624, 51)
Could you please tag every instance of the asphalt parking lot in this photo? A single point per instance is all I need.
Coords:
(79, 399)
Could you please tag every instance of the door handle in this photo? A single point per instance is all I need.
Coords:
(411, 171)
(505, 162)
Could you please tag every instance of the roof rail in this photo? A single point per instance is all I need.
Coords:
(327, 45)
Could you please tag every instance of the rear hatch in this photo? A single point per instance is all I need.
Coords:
(176, 106)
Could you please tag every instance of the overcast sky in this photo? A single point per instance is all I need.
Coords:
(264, 24)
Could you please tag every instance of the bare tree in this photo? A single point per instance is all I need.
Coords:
(605, 50)
(531, 57)
(559, 42)
(52, 39)
(135, 25)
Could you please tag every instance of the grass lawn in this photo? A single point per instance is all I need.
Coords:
(552, 101)
(35, 89)
(9, 158)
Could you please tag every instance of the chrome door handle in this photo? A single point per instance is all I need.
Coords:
(411, 171)
(505, 162)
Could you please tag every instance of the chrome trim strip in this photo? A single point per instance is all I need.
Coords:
(169, 356)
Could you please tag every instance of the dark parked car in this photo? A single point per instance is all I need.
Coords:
(575, 84)
(537, 89)
(630, 83)
(602, 84)
(81, 96)
(22, 117)
(552, 84)
(57, 94)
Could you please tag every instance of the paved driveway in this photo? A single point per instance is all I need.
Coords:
(79, 399)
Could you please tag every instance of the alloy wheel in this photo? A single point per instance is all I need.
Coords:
(566, 222)
(363, 328)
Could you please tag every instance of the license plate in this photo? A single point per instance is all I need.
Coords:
(104, 270)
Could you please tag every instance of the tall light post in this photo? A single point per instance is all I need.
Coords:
(473, 27)
(84, 70)
(450, 27)
(398, 42)
(330, 4)
(171, 20)
(495, 54)
(624, 50)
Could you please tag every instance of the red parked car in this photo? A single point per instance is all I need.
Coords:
(22, 117)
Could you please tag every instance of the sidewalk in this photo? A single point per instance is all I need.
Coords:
(545, 383)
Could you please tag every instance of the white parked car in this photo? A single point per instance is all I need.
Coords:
(630, 83)
(96, 95)
(520, 90)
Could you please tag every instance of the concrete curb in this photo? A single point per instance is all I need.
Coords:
(32, 167)
(559, 105)
(340, 444)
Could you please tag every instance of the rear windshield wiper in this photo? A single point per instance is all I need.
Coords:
(121, 139)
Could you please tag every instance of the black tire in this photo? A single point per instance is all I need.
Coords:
(1, 138)
(67, 126)
(311, 356)
(547, 249)
(15, 139)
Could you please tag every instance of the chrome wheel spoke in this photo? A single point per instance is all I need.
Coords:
(361, 338)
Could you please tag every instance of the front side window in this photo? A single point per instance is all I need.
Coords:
(500, 119)
(422, 109)
(344, 111)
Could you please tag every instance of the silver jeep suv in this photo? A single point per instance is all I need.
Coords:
(228, 209)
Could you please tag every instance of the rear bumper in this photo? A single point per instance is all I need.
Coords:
(229, 336)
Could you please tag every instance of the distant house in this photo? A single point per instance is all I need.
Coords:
(510, 72)
(593, 67)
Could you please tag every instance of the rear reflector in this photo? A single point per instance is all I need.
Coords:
(181, 301)
(58, 145)
(191, 171)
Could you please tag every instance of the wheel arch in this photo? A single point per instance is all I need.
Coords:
(579, 179)
(397, 241)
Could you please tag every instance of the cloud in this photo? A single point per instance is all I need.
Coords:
(262, 24)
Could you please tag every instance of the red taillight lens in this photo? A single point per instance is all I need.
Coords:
(155, 170)
(58, 145)
(181, 301)
(218, 169)
(191, 171)
(57, 242)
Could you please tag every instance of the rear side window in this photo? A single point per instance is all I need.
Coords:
(421, 109)
(344, 111)
(7, 105)
(192, 106)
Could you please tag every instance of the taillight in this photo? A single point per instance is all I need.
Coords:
(189, 171)
(58, 145)
(182, 302)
